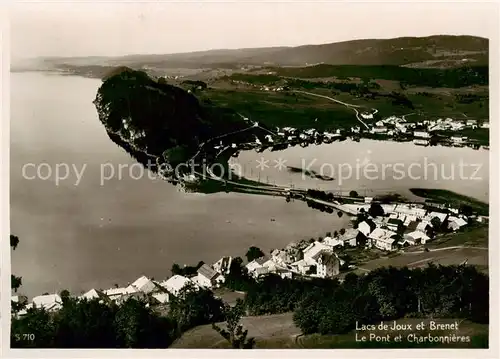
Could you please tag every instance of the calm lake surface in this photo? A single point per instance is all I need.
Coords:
(373, 167)
(88, 234)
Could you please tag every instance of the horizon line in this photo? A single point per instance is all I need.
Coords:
(244, 48)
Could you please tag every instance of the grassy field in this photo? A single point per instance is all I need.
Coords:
(451, 198)
(282, 109)
(452, 256)
(474, 236)
(472, 243)
(270, 331)
(279, 332)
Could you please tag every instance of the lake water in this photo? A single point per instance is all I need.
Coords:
(373, 167)
(90, 235)
(87, 234)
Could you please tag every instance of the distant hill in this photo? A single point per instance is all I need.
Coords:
(399, 51)
(431, 51)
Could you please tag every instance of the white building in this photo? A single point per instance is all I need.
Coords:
(421, 134)
(314, 249)
(256, 266)
(416, 237)
(49, 302)
(223, 265)
(455, 223)
(382, 239)
(349, 237)
(208, 278)
(333, 242)
(94, 294)
(485, 125)
(116, 293)
(379, 129)
(162, 298)
(366, 228)
(142, 284)
(252, 266)
(175, 283)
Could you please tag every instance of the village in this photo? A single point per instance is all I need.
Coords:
(392, 127)
(384, 227)
(424, 133)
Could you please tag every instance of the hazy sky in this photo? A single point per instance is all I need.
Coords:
(84, 29)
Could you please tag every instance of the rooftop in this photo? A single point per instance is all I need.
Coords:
(176, 283)
(207, 272)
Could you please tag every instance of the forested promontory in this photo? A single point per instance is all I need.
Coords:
(153, 120)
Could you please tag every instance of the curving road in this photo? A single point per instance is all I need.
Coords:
(348, 105)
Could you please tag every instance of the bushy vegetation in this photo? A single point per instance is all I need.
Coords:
(90, 324)
(132, 324)
(331, 307)
(186, 271)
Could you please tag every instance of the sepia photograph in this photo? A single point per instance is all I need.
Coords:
(250, 175)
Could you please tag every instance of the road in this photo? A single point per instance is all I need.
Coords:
(445, 249)
(348, 105)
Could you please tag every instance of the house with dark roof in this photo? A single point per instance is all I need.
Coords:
(207, 277)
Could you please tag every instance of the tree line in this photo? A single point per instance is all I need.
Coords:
(329, 306)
